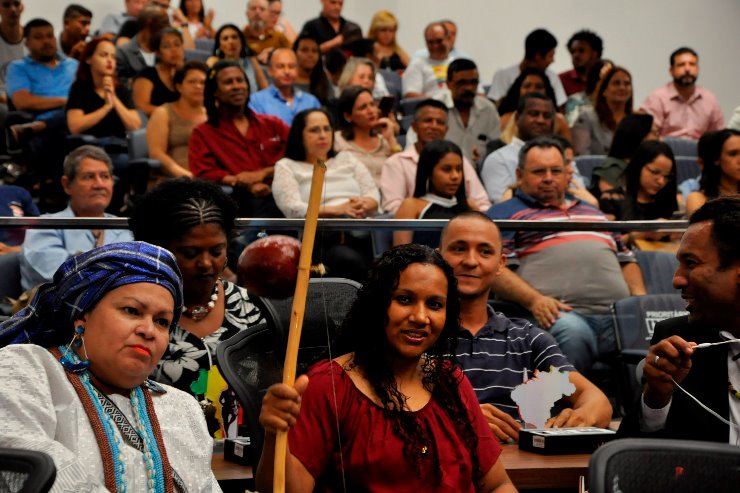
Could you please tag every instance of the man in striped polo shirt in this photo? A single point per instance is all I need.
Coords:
(567, 279)
(497, 353)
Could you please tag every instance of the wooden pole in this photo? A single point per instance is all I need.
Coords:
(297, 312)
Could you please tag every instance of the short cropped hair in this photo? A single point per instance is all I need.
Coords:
(458, 65)
(74, 11)
(540, 143)
(72, 161)
(529, 96)
(724, 212)
(539, 41)
(429, 103)
(590, 37)
(681, 51)
(33, 23)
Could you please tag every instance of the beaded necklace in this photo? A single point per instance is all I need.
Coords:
(109, 442)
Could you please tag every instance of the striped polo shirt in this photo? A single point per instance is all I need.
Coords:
(502, 355)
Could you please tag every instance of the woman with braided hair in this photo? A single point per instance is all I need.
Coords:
(75, 366)
(194, 219)
(393, 414)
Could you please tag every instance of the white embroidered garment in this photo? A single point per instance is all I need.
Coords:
(40, 410)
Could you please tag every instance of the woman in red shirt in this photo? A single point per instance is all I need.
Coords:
(394, 414)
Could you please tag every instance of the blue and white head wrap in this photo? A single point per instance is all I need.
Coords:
(82, 281)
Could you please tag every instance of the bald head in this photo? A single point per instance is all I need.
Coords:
(471, 220)
(283, 68)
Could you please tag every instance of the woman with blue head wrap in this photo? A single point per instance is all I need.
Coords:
(75, 366)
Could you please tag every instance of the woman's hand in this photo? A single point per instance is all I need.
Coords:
(110, 90)
(387, 129)
(281, 405)
(364, 205)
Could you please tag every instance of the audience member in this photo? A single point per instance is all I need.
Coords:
(364, 132)
(395, 383)
(382, 31)
(260, 38)
(14, 202)
(575, 308)
(73, 37)
(681, 108)
(535, 118)
(585, 48)
(348, 191)
(705, 151)
(277, 22)
(154, 86)
(330, 29)
(82, 352)
(175, 17)
(471, 244)
(194, 220)
(88, 181)
(236, 146)
(281, 98)
(398, 177)
(427, 76)
(439, 192)
(361, 71)
(473, 119)
(334, 62)
(39, 83)
(580, 101)
(11, 43)
(171, 125)
(112, 23)
(594, 130)
(231, 45)
(539, 52)
(650, 186)
(199, 21)
(529, 80)
(97, 104)
(576, 184)
(633, 130)
(451, 38)
(707, 275)
(310, 74)
(721, 175)
(135, 55)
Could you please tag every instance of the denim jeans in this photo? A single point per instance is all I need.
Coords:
(583, 338)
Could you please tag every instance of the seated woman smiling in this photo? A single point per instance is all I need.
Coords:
(75, 366)
(394, 414)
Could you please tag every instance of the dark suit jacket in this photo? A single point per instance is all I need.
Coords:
(707, 381)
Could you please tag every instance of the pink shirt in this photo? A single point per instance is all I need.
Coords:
(689, 119)
(398, 180)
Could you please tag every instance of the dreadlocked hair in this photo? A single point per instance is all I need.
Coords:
(363, 332)
(209, 92)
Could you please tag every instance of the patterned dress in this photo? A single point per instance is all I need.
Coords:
(189, 363)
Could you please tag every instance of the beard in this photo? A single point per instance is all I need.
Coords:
(685, 80)
(258, 25)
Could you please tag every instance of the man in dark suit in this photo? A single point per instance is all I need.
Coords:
(709, 279)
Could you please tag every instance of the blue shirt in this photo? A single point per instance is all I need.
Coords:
(502, 354)
(269, 101)
(41, 80)
(46, 249)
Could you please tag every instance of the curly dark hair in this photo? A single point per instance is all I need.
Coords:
(363, 332)
(209, 92)
(172, 208)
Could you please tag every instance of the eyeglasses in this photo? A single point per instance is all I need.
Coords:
(657, 172)
(542, 172)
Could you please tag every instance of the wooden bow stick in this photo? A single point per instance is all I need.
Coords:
(297, 312)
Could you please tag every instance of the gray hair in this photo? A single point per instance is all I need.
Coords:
(351, 67)
(541, 143)
(74, 158)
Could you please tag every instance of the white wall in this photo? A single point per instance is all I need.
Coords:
(638, 34)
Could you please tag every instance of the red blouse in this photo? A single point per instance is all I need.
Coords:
(372, 454)
(215, 152)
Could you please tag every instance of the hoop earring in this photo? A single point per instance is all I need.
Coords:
(74, 363)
